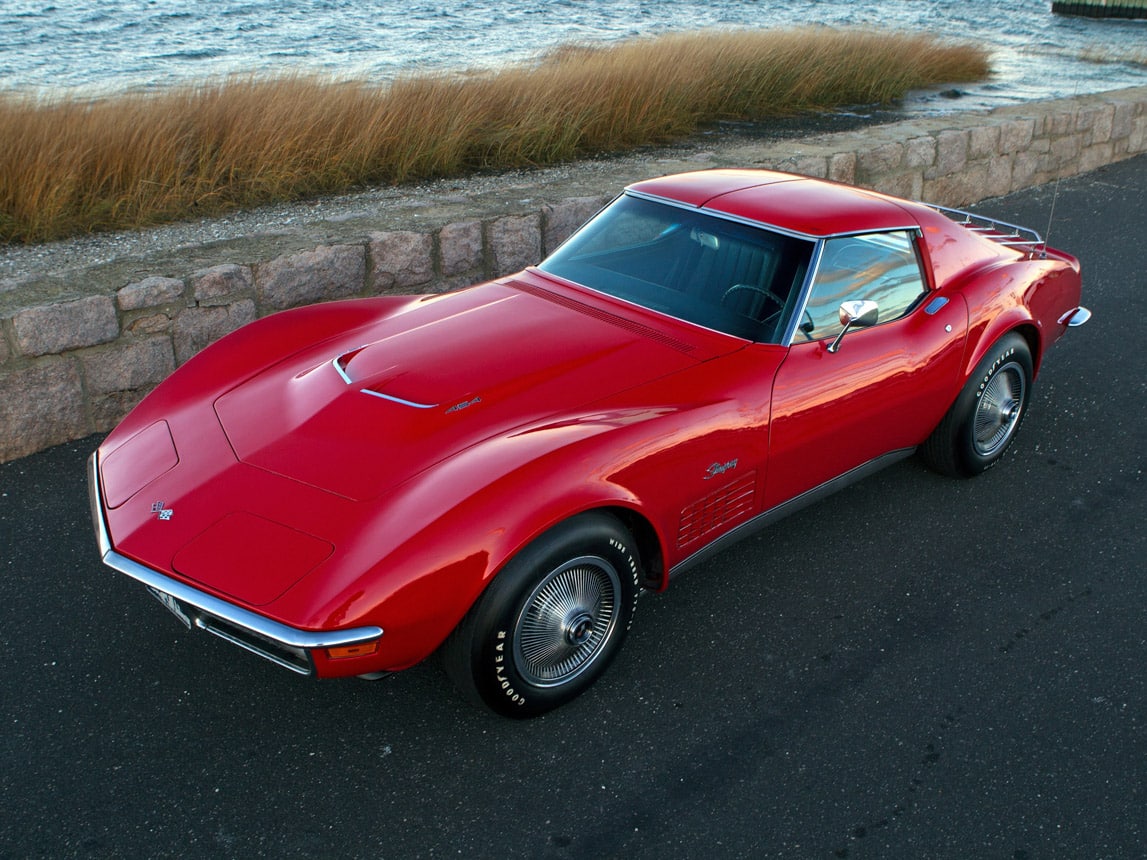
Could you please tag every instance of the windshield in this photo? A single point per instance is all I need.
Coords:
(720, 274)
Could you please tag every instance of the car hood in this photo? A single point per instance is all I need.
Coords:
(356, 419)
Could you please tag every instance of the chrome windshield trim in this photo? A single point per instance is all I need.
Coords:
(786, 339)
(258, 625)
(765, 225)
(724, 216)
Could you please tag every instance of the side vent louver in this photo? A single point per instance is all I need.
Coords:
(731, 502)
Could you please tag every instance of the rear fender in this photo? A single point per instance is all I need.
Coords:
(1017, 321)
(1029, 297)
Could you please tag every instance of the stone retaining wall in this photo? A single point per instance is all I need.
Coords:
(73, 366)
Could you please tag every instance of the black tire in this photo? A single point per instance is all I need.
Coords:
(551, 620)
(985, 418)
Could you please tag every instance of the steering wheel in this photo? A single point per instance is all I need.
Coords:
(753, 288)
(807, 326)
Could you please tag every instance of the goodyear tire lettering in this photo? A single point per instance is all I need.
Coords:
(992, 371)
(500, 668)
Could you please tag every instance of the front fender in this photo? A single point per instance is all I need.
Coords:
(428, 552)
(238, 356)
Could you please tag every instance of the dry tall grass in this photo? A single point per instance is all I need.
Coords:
(75, 166)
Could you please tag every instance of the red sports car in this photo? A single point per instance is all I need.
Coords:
(496, 473)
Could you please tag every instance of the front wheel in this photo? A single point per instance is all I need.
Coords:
(550, 622)
(986, 416)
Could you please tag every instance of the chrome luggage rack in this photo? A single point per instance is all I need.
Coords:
(1023, 238)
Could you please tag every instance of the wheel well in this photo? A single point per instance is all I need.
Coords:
(648, 546)
(1031, 335)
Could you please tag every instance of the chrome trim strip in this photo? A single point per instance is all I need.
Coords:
(1075, 318)
(786, 339)
(290, 637)
(725, 216)
(346, 379)
(793, 505)
(392, 399)
(339, 368)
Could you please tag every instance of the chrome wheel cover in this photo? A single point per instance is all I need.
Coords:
(998, 411)
(566, 621)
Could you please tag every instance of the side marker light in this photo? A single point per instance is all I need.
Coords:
(362, 649)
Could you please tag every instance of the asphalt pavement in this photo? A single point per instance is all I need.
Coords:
(916, 667)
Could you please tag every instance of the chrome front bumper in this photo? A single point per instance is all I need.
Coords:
(283, 645)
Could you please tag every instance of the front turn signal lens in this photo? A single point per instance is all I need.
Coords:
(362, 649)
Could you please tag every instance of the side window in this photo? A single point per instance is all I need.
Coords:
(879, 267)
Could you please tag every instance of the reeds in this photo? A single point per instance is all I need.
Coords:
(73, 166)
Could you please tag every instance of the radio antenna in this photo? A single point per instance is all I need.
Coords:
(1055, 192)
(1050, 216)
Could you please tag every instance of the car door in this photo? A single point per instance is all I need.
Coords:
(884, 387)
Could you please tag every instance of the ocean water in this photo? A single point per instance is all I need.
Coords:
(99, 46)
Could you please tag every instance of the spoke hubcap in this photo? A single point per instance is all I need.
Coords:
(566, 621)
(999, 409)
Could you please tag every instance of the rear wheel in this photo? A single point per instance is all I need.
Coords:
(987, 415)
(550, 622)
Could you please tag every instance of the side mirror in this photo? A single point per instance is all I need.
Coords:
(856, 314)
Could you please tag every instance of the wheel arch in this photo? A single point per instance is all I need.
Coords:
(954, 446)
(467, 566)
(649, 550)
(1030, 333)
(551, 620)
(1001, 327)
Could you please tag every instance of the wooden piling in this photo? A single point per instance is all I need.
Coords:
(1101, 8)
